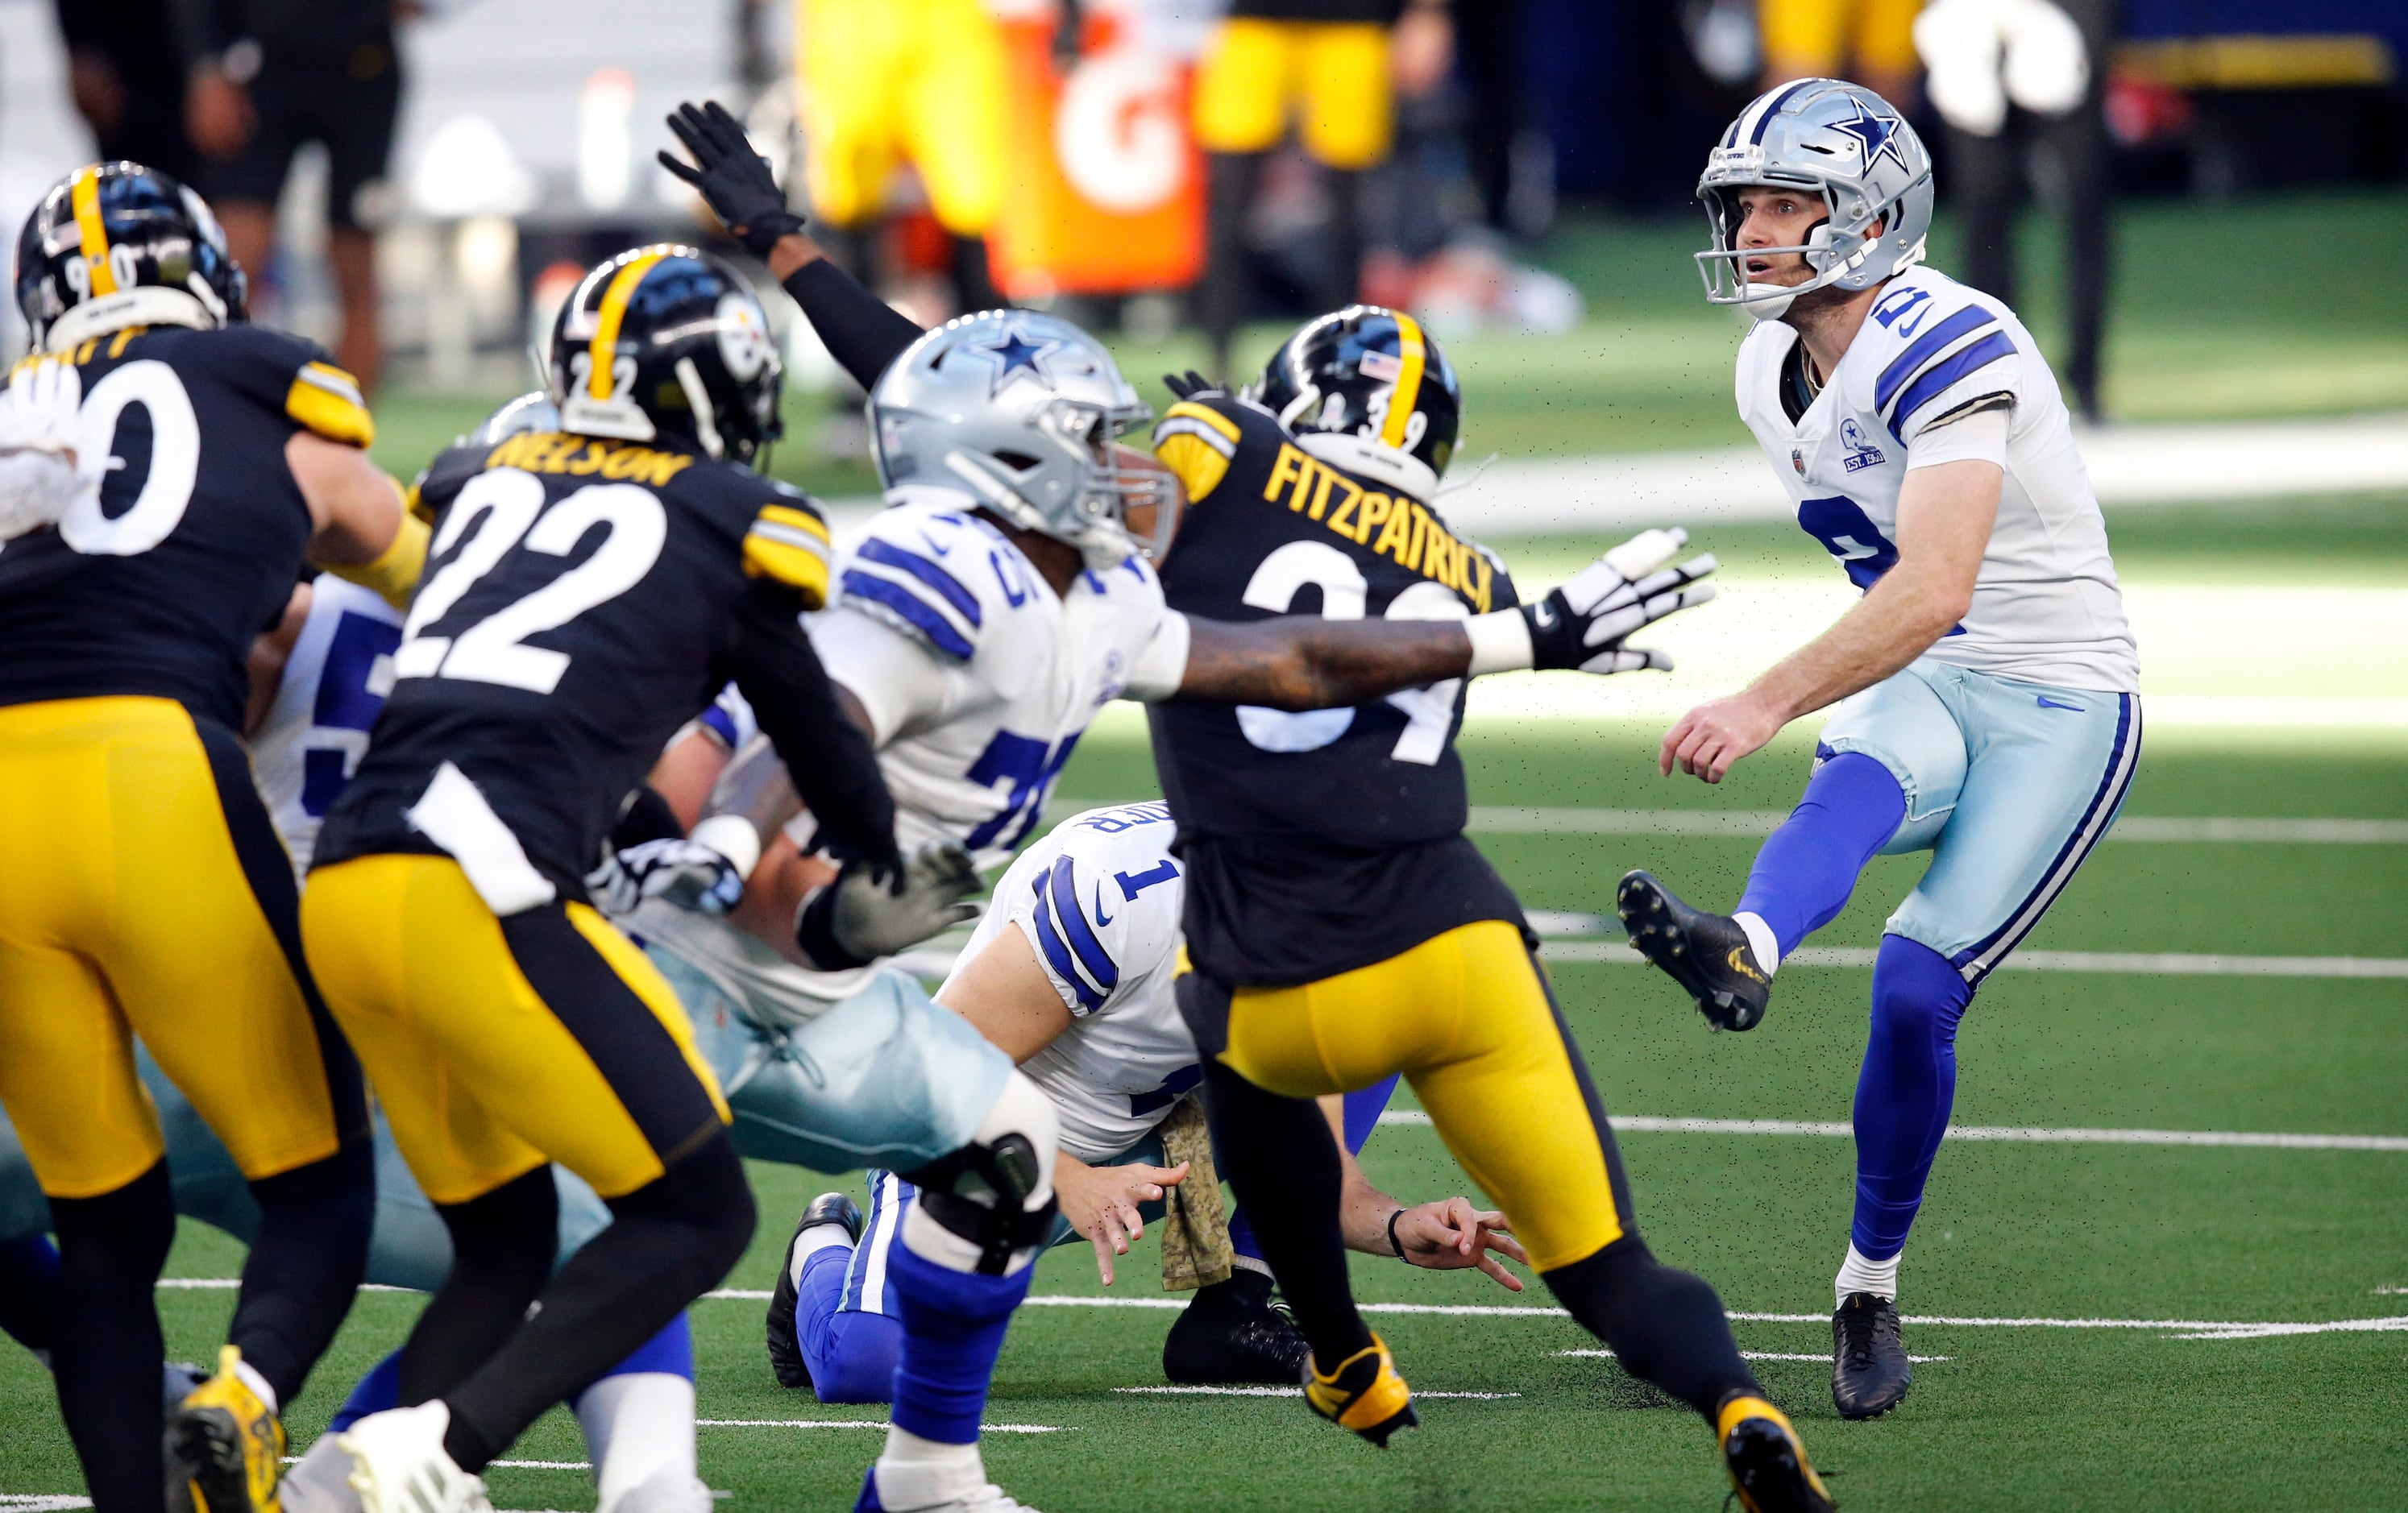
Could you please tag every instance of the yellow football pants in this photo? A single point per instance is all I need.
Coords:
(1468, 1018)
(889, 81)
(1333, 74)
(1833, 39)
(495, 1045)
(145, 893)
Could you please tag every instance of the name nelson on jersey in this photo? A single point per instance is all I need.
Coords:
(1406, 531)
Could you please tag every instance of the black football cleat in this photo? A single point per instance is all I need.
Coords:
(1706, 953)
(1767, 1461)
(785, 1350)
(1869, 1372)
(1232, 1333)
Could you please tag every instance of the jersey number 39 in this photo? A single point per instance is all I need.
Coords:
(1430, 711)
(507, 510)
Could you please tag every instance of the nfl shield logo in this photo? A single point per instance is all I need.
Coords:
(1798, 461)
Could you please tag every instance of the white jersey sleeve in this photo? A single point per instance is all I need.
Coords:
(920, 571)
(333, 687)
(1098, 901)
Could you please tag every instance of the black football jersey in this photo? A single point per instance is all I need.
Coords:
(158, 585)
(579, 603)
(1322, 841)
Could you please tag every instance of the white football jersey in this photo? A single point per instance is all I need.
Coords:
(2046, 607)
(1098, 900)
(978, 680)
(335, 684)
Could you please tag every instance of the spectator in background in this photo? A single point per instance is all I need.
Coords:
(1870, 42)
(1333, 64)
(127, 82)
(886, 82)
(264, 76)
(2011, 74)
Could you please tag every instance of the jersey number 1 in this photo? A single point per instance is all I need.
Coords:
(1430, 711)
(505, 506)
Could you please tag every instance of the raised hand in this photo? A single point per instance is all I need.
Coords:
(737, 182)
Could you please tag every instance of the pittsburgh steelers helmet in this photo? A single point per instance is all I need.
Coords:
(667, 343)
(1834, 140)
(116, 244)
(1367, 389)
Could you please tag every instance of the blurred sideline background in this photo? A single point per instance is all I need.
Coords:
(2198, 205)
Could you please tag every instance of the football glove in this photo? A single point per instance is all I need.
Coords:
(1581, 624)
(737, 182)
(41, 428)
(694, 872)
(875, 909)
(1188, 385)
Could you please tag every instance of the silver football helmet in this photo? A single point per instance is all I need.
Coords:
(528, 412)
(1021, 411)
(1838, 140)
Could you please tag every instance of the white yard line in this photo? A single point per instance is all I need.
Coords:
(1755, 1355)
(871, 1424)
(541, 1465)
(2140, 964)
(1652, 1124)
(1284, 1392)
(1515, 821)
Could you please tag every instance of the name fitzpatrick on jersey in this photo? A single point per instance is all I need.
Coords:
(549, 451)
(1406, 531)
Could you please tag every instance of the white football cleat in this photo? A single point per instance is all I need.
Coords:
(399, 1465)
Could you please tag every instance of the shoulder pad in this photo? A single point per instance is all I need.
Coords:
(1198, 438)
(295, 378)
(924, 572)
(1098, 911)
(788, 542)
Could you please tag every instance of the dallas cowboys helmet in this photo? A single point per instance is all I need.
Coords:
(1835, 140)
(666, 342)
(1020, 410)
(116, 244)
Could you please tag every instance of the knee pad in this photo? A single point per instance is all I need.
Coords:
(989, 1207)
(1917, 993)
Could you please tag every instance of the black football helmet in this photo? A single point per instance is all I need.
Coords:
(1368, 390)
(667, 342)
(116, 244)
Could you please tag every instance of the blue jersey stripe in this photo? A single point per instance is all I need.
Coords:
(886, 555)
(915, 612)
(1097, 961)
(1940, 376)
(1971, 319)
(1057, 955)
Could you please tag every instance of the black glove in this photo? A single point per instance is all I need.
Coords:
(737, 182)
(1188, 385)
(875, 909)
(1581, 624)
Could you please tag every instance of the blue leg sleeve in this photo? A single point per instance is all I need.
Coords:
(1805, 873)
(1364, 1107)
(669, 1353)
(29, 1285)
(379, 1390)
(1905, 1089)
(953, 1323)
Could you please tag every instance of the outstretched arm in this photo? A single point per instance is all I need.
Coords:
(862, 332)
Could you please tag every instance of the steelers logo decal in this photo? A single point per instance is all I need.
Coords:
(743, 335)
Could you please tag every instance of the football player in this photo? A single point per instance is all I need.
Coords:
(1343, 927)
(1070, 975)
(590, 588)
(1987, 685)
(979, 623)
(164, 470)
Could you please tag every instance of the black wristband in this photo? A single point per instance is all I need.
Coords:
(1395, 1243)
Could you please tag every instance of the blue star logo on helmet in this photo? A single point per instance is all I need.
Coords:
(1877, 133)
(1014, 353)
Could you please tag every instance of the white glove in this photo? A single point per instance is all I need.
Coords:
(40, 429)
(693, 872)
(1582, 624)
(1983, 53)
(871, 910)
